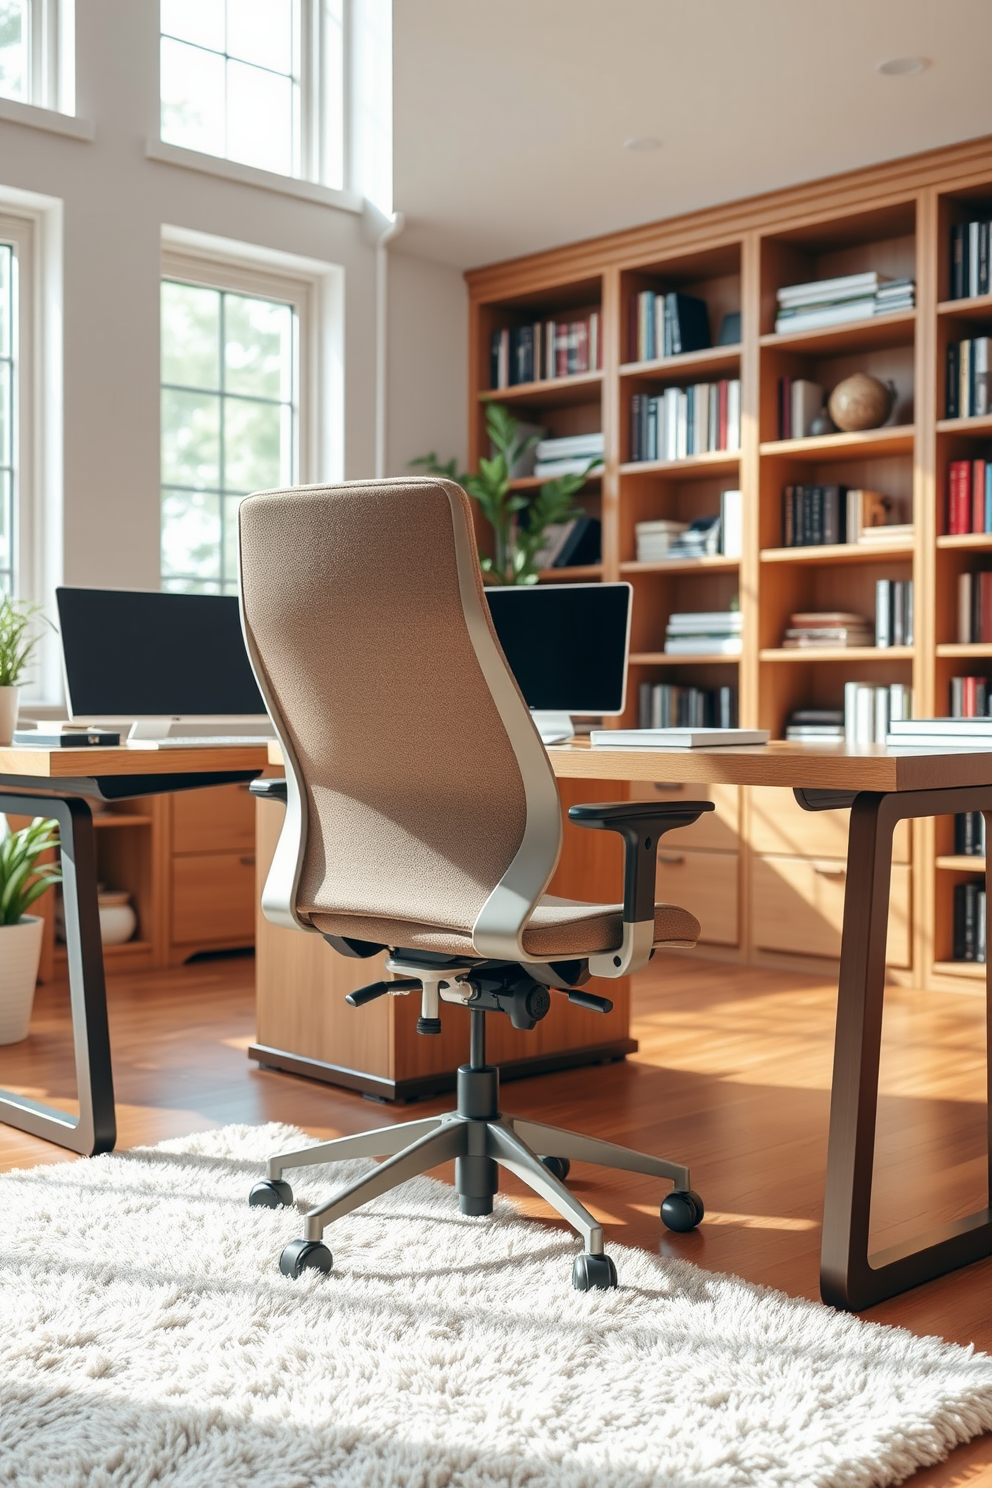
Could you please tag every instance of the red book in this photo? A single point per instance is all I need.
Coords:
(984, 630)
(958, 497)
(721, 433)
(978, 496)
(970, 699)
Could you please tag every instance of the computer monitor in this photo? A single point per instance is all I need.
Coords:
(567, 646)
(130, 655)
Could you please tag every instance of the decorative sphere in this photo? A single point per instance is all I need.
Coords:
(860, 402)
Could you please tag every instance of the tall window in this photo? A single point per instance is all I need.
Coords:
(8, 267)
(229, 423)
(15, 29)
(36, 40)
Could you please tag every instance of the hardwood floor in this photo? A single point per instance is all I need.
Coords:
(732, 1077)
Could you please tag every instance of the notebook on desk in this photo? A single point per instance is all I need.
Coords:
(677, 738)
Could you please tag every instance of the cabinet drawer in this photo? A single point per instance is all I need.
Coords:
(717, 829)
(780, 825)
(705, 883)
(213, 898)
(798, 906)
(218, 819)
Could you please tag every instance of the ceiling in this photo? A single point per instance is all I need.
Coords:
(510, 115)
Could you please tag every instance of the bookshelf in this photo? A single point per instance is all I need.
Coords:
(895, 219)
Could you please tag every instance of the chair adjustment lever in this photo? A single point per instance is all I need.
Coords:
(591, 1001)
(362, 995)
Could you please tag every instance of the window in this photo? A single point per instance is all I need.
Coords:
(257, 81)
(36, 42)
(230, 416)
(8, 442)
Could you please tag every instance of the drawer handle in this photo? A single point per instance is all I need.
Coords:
(672, 858)
(248, 861)
(830, 870)
(663, 785)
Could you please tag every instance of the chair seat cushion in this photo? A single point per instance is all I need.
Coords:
(558, 928)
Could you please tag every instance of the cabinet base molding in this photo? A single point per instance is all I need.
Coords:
(423, 1086)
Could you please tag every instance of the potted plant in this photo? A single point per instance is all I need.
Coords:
(519, 524)
(23, 879)
(16, 645)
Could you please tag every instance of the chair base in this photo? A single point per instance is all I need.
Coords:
(480, 1140)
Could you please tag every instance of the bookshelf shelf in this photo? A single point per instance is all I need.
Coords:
(976, 541)
(836, 553)
(803, 654)
(974, 648)
(714, 362)
(894, 440)
(118, 819)
(976, 307)
(662, 658)
(981, 424)
(535, 482)
(959, 863)
(710, 564)
(896, 328)
(552, 392)
(714, 462)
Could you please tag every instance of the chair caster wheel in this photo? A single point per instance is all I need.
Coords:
(593, 1273)
(682, 1210)
(559, 1166)
(305, 1255)
(271, 1193)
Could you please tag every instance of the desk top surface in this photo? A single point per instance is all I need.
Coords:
(872, 767)
(82, 764)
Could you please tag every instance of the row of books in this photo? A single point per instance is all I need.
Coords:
(975, 608)
(667, 540)
(871, 708)
(686, 421)
(667, 325)
(664, 705)
(969, 697)
(809, 630)
(970, 921)
(969, 384)
(827, 302)
(568, 456)
(969, 496)
(815, 726)
(893, 612)
(571, 544)
(704, 633)
(969, 834)
(544, 349)
(800, 401)
(969, 259)
(815, 516)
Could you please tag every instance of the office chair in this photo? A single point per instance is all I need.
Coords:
(423, 818)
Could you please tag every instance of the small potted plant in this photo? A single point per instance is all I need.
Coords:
(16, 645)
(23, 879)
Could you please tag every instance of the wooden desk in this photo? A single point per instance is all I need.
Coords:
(61, 783)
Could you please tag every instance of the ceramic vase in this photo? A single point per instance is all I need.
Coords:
(8, 714)
(20, 955)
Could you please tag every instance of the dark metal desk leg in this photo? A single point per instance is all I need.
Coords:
(849, 1276)
(95, 1129)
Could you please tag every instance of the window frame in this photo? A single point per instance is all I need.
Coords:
(20, 233)
(51, 43)
(241, 276)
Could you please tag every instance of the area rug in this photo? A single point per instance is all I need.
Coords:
(147, 1337)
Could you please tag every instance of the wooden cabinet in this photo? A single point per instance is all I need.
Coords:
(780, 825)
(799, 907)
(706, 883)
(717, 829)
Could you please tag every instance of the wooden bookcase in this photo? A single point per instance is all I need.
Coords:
(766, 878)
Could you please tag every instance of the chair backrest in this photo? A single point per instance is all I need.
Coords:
(419, 788)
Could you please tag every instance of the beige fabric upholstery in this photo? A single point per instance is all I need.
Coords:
(558, 928)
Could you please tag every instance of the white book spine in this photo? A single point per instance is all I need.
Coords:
(732, 524)
(734, 414)
(850, 712)
(883, 612)
(881, 714)
(681, 424)
(864, 714)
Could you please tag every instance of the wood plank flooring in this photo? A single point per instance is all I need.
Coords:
(732, 1077)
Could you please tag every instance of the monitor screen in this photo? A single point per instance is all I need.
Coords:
(138, 655)
(566, 644)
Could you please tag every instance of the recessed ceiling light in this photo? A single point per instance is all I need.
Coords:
(642, 142)
(902, 66)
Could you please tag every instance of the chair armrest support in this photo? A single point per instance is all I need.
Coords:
(640, 824)
(269, 790)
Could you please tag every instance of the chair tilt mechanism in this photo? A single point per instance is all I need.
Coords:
(476, 1135)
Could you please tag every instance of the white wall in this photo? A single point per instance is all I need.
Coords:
(116, 202)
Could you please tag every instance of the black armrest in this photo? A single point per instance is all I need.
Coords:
(269, 790)
(640, 824)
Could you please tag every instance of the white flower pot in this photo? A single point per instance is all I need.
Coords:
(8, 713)
(20, 953)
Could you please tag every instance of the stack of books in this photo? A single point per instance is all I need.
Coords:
(828, 302)
(662, 705)
(571, 544)
(544, 349)
(701, 539)
(943, 733)
(799, 403)
(870, 710)
(969, 697)
(969, 834)
(654, 539)
(894, 612)
(970, 921)
(816, 726)
(667, 325)
(969, 259)
(975, 609)
(686, 421)
(969, 384)
(568, 456)
(809, 630)
(813, 516)
(708, 633)
(969, 496)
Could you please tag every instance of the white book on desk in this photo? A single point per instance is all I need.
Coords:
(676, 738)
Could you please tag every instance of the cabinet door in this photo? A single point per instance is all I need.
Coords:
(213, 898)
(798, 906)
(780, 825)
(218, 819)
(716, 830)
(705, 883)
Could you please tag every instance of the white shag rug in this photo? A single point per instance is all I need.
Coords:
(147, 1337)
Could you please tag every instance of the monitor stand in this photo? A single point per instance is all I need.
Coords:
(202, 726)
(554, 728)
